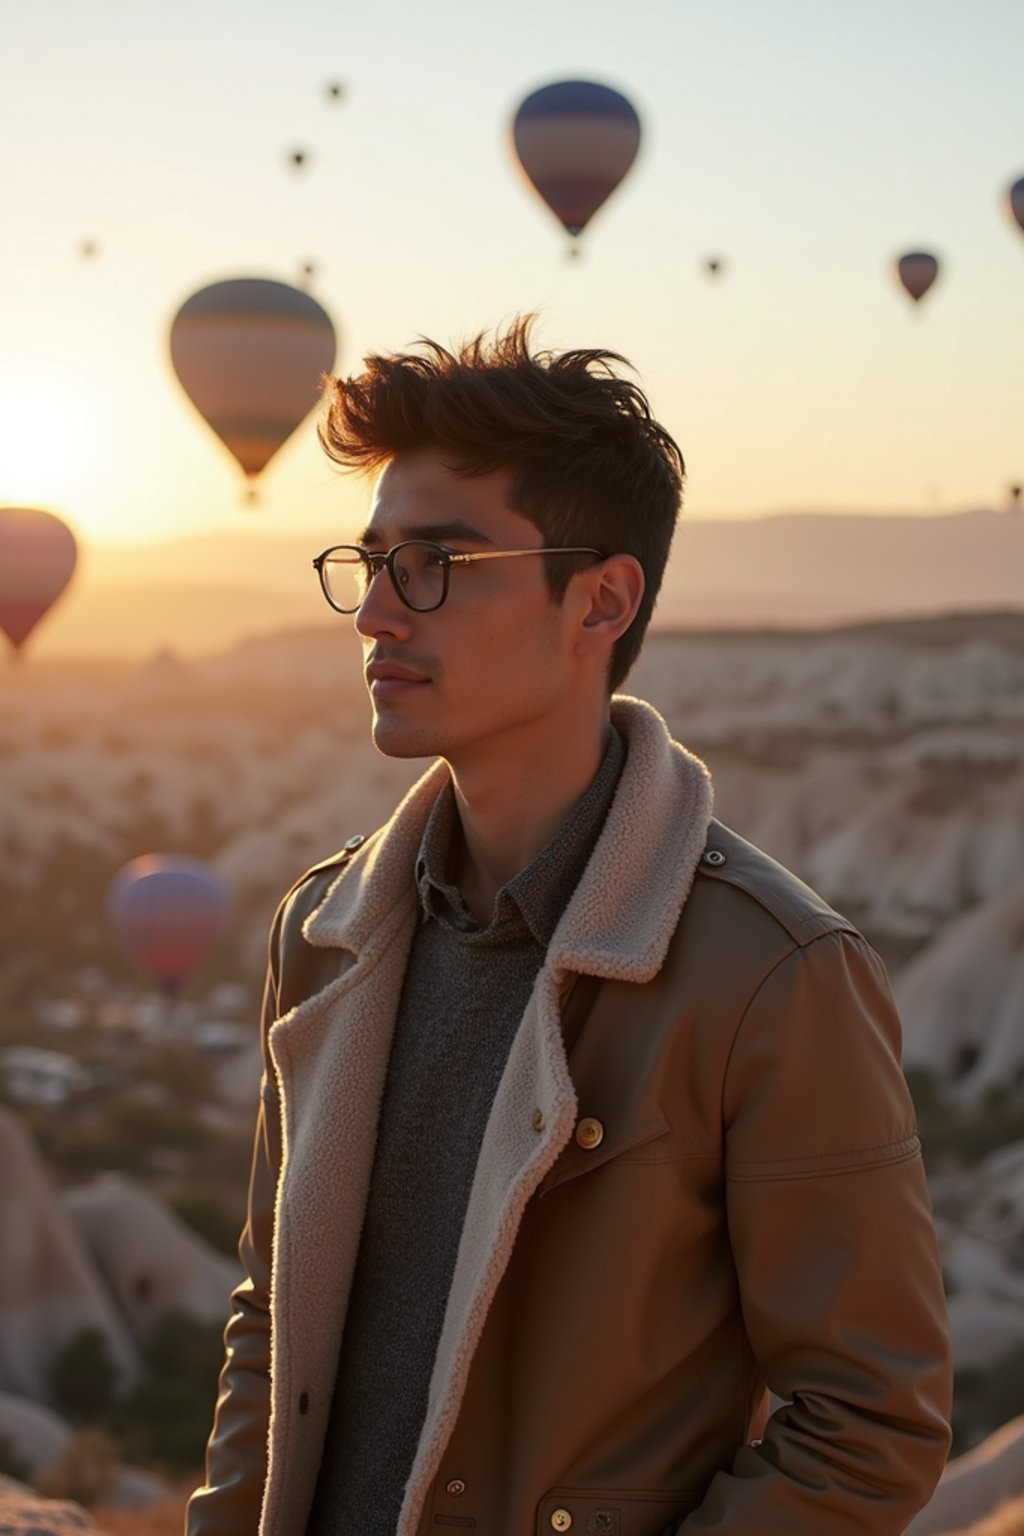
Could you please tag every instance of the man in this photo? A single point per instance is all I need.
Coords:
(582, 1125)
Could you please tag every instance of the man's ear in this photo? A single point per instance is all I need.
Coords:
(613, 591)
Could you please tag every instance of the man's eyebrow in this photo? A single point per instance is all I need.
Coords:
(438, 533)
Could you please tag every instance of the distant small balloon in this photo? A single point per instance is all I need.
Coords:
(298, 159)
(917, 271)
(169, 913)
(1015, 202)
(714, 266)
(335, 90)
(88, 249)
(38, 554)
(1015, 491)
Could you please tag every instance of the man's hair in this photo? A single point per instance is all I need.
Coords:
(589, 463)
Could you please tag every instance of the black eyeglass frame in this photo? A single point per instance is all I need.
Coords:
(374, 561)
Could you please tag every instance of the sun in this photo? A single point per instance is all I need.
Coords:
(47, 443)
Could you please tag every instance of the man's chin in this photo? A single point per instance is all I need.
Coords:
(396, 740)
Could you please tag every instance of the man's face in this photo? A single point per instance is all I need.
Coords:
(486, 673)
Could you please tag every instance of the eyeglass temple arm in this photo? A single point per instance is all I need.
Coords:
(504, 554)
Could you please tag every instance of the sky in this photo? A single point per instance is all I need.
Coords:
(807, 144)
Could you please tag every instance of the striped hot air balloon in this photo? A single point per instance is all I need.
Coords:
(37, 558)
(575, 141)
(168, 912)
(249, 353)
(916, 271)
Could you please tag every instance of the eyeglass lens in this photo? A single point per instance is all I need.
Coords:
(419, 576)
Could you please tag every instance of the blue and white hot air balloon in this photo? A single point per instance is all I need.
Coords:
(575, 141)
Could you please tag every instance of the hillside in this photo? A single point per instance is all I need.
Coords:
(883, 762)
(205, 592)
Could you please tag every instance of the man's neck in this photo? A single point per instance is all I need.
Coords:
(511, 808)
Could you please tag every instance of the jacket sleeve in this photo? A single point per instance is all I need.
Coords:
(835, 1256)
(230, 1501)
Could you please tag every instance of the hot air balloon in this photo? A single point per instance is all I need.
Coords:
(168, 912)
(714, 266)
(37, 557)
(917, 270)
(1015, 202)
(575, 141)
(88, 249)
(249, 354)
(298, 159)
(335, 90)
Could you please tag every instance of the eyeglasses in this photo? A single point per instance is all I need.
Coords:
(418, 569)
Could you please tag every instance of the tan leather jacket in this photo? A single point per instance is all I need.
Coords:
(700, 1179)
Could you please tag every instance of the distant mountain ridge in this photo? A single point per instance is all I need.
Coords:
(202, 592)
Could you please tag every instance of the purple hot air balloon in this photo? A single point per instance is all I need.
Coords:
(1015, 202)
(168, 912)
(37, 557)
(916, 271)
(575, 141)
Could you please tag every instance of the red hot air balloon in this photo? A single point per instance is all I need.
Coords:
(37, 557)
(249, 354)
(1015, 202)
(917, 270)
(575, 141)
(169, 913)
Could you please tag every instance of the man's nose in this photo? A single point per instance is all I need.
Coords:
(382, 611)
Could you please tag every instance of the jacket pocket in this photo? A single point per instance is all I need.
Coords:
(613, 1511)
(630, 1142)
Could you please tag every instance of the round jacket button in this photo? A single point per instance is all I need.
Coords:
(456, 1487)
(589, 1133)
(714, 856)
(561, 1519)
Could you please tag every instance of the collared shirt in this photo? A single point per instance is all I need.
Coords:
(539, 894)
(465, 990)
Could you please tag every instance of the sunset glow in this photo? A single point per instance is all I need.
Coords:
(144, 166)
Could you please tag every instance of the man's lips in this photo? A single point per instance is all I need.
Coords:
(384, 677)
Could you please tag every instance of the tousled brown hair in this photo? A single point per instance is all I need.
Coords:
(589, 463)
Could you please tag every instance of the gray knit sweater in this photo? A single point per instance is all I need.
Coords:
(464, 993)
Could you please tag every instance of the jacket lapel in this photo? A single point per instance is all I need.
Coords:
(330, 1054)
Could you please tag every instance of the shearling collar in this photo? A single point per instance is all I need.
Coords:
(620, 919)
